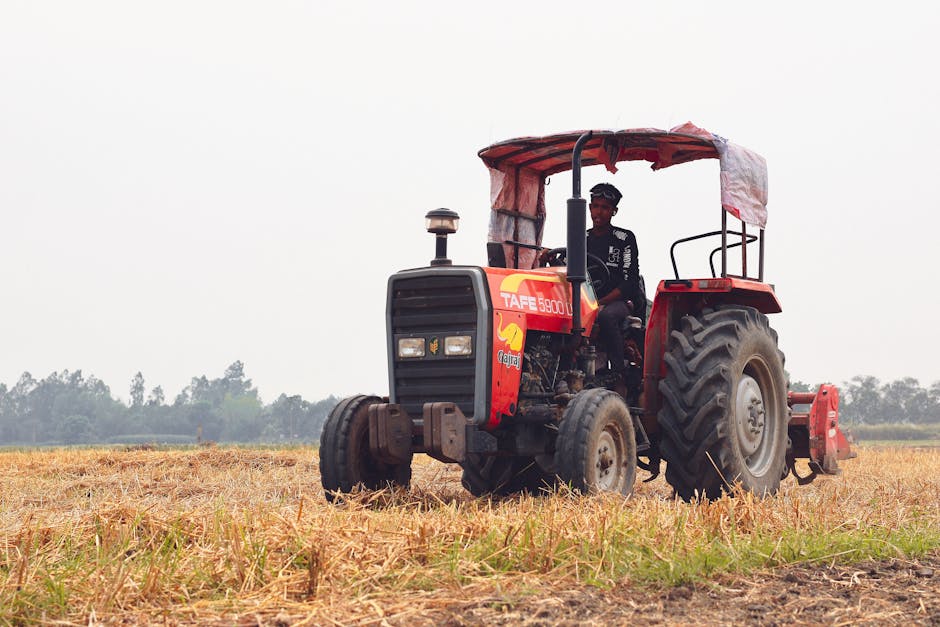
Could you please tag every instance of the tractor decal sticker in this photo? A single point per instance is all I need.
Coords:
(434, 345)
(510, 359)
(542, 297)
(512, 299)
(539, 304)
(511, 333)
(512, 282)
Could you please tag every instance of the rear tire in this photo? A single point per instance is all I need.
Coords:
(503, 476)
(724, 415)
(345, 459)
(596, 446)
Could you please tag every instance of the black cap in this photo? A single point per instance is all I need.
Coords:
(608, 191)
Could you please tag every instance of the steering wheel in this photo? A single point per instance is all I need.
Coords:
(596, 268)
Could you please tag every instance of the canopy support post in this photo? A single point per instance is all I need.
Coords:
(724, 243)
(760, 260)
(744, 249)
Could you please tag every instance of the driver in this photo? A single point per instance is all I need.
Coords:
(619, 295)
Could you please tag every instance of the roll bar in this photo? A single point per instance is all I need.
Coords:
(746, 238)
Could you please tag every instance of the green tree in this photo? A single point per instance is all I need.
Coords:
(7, 417)
(137, 390)
(799, 386)
(76, 429)
(317, 415)
(862, 402)
(905, 401)
(933, 411)
(283, 417)
(156, 397)
(239, 416)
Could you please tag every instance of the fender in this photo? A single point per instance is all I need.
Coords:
(676, 298)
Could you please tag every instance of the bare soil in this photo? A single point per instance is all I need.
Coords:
(892, 592)
(895, 592)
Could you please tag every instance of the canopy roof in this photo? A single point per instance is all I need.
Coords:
(518, 168)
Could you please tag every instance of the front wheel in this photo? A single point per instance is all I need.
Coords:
(596, 446)
(724, 416)
(345, 459)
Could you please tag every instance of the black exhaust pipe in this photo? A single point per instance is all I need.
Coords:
(577, 246)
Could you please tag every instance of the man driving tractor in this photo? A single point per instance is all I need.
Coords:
(493, 367)
(620, 295)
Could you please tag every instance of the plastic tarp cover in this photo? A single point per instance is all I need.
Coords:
(518, 201)
(743, 177)
(518, 169)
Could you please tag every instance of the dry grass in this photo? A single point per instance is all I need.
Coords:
(245, 536)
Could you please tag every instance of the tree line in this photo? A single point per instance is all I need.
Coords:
(865, 400)
(70, 408)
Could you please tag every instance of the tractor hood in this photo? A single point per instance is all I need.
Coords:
(519, 167)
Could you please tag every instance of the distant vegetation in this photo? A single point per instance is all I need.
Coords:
(896, 432)
(70, 408)
(897, 410)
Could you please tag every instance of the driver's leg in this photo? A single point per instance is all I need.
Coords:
(610, 319)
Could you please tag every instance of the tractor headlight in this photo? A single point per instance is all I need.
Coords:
(409, 347)
(458, 345)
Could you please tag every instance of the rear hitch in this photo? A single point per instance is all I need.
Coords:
(816, 434)
(813, 471)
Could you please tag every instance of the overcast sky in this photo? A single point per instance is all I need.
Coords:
(186, 184)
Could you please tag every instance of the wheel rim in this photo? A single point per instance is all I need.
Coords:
(755, 421)
(608, 460)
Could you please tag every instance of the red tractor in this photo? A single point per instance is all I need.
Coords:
(494, 368)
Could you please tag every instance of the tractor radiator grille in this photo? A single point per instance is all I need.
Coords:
(434, 307)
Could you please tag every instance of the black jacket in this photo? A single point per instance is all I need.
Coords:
(619, 252)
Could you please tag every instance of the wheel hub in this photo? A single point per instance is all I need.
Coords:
(749, 415)
(606, 462)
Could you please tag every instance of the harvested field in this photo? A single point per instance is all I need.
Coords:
(244, 536)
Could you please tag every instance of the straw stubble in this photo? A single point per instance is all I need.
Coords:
(216, 533)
